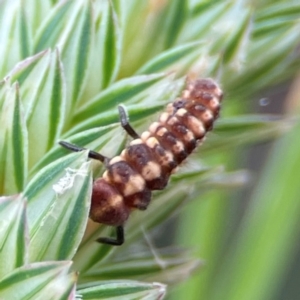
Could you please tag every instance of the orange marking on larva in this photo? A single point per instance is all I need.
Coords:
(146, 164)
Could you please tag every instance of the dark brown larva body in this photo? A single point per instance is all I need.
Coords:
(147, 163)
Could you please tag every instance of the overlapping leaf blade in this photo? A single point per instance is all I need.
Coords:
(166, 60)
(15, 41)
(97, 139)
(44, 102)
(13, 141)
(165, 265)
(13, 234)
(47, 280)
(124, 290)
(74, 41)
(58, 202)
(120, 92)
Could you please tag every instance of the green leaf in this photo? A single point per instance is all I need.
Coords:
(58, 207)
(47, 280)
(169, 58)
(239, 35)
(13, 248)
(119, 92)
(175, 18)
(13, 142)
(136, 112)
(44, 103)
(264, 69)
(24, 68)
(272, 221)
(102, 139)
(167, 265)
(108, 38)
(124, 290)
(15, 41)
(245, 130)
(73, 41)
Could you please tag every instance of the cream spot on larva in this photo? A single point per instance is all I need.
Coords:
(178, 147)
(166, 159)
(151, 171)
(186, 94)
(207, 116)
(189, 136)
(161, 131)
(181, 112)
(123, 153)
(152, 142)
(170, 108)
(115, 200)
(136, 142)
(115, 160)
(145, 135)
(164, 117)
(172, 121)
(135, 184)
(153, 127)
(105, 176)
(214, 103)
(218, 92)
(196, 126)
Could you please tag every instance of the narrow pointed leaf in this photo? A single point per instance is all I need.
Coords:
(58, 201)
(108, 37)
(13, 142)
(100, 139)
(136, 112)
(13, 234)
(118, 92)
(166, 265)
(124, 290)
(175, 19)
(45, 103)
(15, 42)
(73, 41)
(169, 58)
(47, 280)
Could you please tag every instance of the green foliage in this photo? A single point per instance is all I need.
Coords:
(66, 65)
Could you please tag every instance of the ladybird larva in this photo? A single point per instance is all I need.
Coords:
(147, 163)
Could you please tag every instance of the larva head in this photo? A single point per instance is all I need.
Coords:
(108, 205)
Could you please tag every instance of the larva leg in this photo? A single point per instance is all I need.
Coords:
(118, 241)
(125, 122)
(92, 154)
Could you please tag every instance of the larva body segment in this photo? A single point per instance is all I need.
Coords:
(147, 163)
